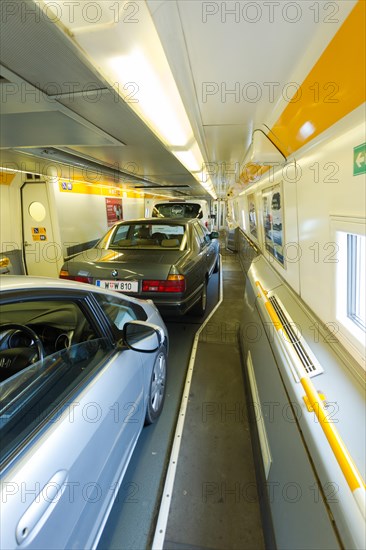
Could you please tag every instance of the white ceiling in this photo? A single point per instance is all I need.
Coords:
(233, 63)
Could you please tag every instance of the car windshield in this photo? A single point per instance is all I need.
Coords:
(176, 210)
(146, 236)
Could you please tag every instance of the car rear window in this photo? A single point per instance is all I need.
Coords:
(162, 236)
(176, 210)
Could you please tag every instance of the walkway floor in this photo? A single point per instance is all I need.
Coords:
(215, 503)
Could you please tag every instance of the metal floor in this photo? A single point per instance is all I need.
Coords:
(215, 503)
(214, 500)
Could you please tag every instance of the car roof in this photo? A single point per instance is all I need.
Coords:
(158, 221)
(24, 282)
(181, 201)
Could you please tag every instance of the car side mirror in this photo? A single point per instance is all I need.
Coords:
(142, 337)
(200, 216)
(214, 235)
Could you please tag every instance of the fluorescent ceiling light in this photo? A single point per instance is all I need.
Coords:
(191, 159)
(206, 184)
(12, 170)
(132, 59)
(147, 95)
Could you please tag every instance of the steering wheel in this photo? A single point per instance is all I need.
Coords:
(13, 360)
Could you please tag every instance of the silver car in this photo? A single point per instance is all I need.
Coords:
(82, 370)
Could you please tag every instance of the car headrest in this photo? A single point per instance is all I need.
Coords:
(145, 242)
(125, 242)
(169, 243)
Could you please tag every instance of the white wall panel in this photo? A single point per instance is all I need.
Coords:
(10, 215)
(82, 218)
(324, 187)
(133, 208)
(327, 187)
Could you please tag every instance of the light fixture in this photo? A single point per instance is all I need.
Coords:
(190, 158)
(132, 59)
(307, 130)
(149, 98)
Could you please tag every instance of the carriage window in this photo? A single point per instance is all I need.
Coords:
(350, 288)
(356, 276)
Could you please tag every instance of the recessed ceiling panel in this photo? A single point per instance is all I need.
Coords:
(243, 55)
(46, 128)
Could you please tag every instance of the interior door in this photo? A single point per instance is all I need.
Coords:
(219, 210)
(41, 252)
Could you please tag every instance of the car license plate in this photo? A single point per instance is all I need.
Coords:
(121, 286)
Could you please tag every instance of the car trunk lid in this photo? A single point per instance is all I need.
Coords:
(107, 266)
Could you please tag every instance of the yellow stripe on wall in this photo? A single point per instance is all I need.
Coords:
(90, 189)
(6, 178)
(334, 87)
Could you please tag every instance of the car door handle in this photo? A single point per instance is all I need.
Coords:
(42, 505)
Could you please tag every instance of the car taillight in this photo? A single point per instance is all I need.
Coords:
(79, 278)
(174, 283)
(206, 224)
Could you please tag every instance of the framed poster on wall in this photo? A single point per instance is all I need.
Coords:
(252, 211)
(272, 202)
(114, 210)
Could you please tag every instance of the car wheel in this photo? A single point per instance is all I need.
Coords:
(217, 265)
(199, 309)
(157, 388)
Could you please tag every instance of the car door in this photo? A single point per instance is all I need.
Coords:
(207, 247)
(200, 253)
(60, 477)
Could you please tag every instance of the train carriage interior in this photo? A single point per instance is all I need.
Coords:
(132, 110)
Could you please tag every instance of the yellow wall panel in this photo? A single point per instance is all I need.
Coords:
(333, 88)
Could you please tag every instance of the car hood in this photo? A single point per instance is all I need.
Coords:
(130, 264)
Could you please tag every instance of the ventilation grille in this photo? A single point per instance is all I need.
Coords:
(302, 350)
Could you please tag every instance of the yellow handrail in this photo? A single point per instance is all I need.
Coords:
(344, 459)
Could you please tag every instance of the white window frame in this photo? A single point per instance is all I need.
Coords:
(350, 334)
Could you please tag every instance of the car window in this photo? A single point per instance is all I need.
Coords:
(203, 233)
(33, 389)
(200, 234)
(197, 237)
(177, 210)
(146, 236)
(121, 233)
(120, 311)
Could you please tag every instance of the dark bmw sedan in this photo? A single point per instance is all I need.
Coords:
(167, 261)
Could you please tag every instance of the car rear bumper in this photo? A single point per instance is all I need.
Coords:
(170, 304)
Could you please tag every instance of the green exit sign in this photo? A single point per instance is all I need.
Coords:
(359, 159)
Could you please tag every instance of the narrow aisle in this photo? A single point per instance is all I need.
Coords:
(215, 503)
(131, 523)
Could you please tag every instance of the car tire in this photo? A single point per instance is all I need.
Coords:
(199, 309)
(157, 388)
(217, 265)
